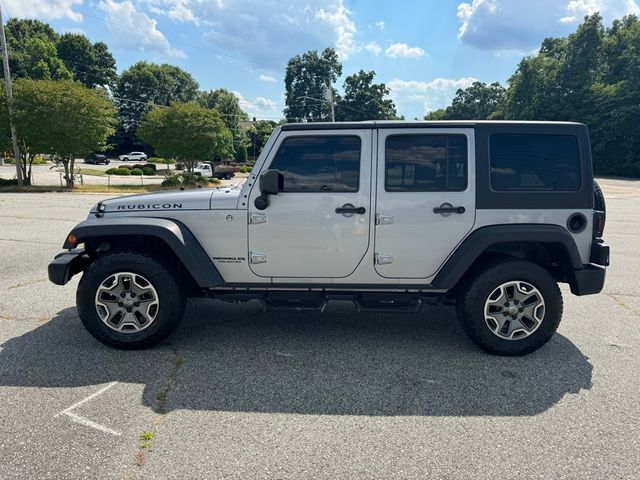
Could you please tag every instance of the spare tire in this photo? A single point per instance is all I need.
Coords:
(599, 203)
(598, 198)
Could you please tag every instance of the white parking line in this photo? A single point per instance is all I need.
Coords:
(89, 423)
(85, 421)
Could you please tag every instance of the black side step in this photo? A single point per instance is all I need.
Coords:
(296, 301)
(390, 303)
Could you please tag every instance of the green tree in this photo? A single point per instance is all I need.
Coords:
(18, 33)
(438, 114)
(228, 105)
(615, 125)
(476, 102)
(40, 61)
(364, 100)
(188, 132)
(241, 154)
(258, 134)
(306, 81)
(535, 92)
(91, 64)
(61, 118)
(146, 84)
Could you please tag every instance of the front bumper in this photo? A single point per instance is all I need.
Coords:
(65, 265)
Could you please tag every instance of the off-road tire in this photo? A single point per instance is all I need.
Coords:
(470, 305)
(171, 297)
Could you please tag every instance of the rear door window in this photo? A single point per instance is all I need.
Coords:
(425, 163)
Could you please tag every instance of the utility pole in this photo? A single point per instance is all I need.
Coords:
(7, 80)
(330, 100)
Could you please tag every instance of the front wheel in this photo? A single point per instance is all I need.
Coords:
(129, 300)
(511, 307)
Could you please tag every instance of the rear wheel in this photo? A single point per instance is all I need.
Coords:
(129, 300)
(511, 307)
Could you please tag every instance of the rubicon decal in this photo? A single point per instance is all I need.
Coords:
(150, 206)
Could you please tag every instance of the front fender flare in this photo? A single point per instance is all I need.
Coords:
(172, 232)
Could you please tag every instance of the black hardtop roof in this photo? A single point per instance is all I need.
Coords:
(414, 124)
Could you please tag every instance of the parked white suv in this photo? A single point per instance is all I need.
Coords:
(490, 216)
(133, 157)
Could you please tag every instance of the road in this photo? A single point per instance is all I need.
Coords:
(243, 394)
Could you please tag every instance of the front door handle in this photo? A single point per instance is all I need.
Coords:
(448, 208)
(347, 209)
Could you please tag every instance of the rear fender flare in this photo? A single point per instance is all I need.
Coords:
(483, 238)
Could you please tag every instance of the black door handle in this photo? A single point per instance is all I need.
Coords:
(448, 209)
(350, 209)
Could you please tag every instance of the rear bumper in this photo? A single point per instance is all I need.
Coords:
(588, 280)
(65, 265)
(599, 253)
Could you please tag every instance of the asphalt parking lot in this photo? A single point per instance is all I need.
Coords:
(241, 393)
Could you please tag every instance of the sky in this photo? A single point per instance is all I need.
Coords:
(422, 50)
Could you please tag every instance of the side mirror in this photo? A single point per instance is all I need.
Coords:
(271, 182)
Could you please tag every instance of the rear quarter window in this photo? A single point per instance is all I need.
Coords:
(534, 162)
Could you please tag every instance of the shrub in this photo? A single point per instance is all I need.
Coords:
(123, 171)
(169, 161)
(39, 160)
(149, 165)
(148, 171)
(5, 182)
(136, 171)
(9, 161)
(111, 171)
(128, 167)
(172, 181)
(137, 165)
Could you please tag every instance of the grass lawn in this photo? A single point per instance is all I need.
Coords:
(85, 189)
(89, 171)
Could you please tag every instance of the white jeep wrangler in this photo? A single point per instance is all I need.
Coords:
(390, 215)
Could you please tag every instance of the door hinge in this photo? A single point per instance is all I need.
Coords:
(383, 259)
(383, 219)
(257, 257)
(257, 218)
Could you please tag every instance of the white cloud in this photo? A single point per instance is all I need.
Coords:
(268, 32)
(337, 16)
(266, 78)
(44, 9)
(373, 47)
(438, 93)
(403, 50)
(135, 30)
(259, 107)
(380, 25)
(521, 26)
(177, 10)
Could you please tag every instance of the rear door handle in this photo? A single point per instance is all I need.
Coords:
(448, 208)
(347, 209)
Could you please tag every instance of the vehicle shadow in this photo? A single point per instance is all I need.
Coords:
(340, 362)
